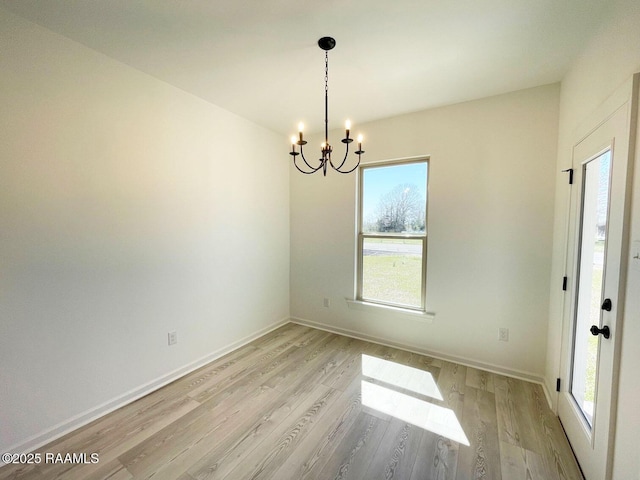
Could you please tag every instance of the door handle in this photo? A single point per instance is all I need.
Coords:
(606, 305)
(595, 331)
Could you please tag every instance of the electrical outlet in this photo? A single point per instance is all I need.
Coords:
(503, 334)
(172, 337)
(325, 302)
